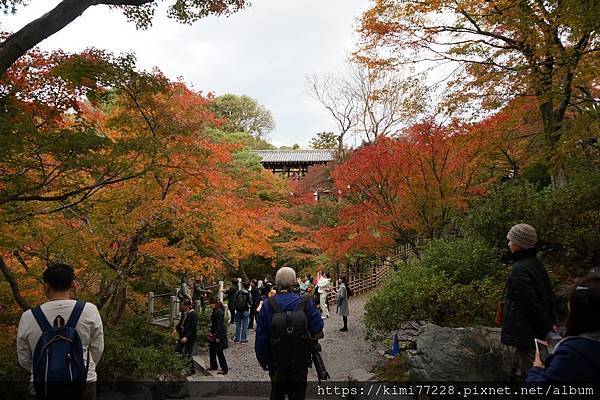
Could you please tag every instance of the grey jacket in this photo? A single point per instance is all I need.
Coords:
(341, 300)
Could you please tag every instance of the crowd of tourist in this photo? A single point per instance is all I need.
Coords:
(61, 341)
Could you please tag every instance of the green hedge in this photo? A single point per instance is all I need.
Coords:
(567, 220)
(457, 282)
(461, 260)
(136, 350)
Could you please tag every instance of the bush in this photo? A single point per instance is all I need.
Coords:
(567, 220)
(460, 260)
(136, 350)
(412, 293)
(418, 292)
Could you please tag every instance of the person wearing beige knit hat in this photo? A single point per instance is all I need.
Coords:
(521, 237)
(529, 310)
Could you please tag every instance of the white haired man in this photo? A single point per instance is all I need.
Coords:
(285, 331)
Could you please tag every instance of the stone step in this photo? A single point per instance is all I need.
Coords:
(200, 366)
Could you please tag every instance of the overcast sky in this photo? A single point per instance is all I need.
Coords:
(265, 51)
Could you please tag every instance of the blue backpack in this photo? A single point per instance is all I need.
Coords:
(58, 367)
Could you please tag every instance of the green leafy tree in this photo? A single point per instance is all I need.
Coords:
(243, 113)
(324, 140)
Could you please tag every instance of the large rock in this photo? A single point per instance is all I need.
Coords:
(459, 354)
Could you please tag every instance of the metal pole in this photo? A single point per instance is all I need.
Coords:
(150, 304)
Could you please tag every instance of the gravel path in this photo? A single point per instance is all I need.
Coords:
(342, 351)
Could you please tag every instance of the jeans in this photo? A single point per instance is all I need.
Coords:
(241, 325)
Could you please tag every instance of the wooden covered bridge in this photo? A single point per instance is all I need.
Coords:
(294, 163)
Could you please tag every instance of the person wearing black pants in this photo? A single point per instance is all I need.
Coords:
(293, 383)
(255, 296)
(219, 331)
(186, 328)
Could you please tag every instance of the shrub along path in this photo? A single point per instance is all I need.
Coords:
(342, 351)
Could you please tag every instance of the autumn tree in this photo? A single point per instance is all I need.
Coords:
(243, 114)
(501, 50)
(140, 12)
(397, 188)
(189, 201)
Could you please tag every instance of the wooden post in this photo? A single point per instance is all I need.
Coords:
(150, 305)
(172, 311)
(221, 291)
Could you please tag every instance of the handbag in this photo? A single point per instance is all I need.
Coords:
(500, 310)
(211, 338)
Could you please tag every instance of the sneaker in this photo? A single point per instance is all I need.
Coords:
(344, 330)
(244, 342)
(236, 341)
(222, 372)
(323, 317)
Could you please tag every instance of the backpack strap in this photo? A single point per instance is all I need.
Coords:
(41, 319)
(302, 304)
(75, 314)
(274, 305)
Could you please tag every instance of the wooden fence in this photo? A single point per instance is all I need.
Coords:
(363, 282)
(163, 309)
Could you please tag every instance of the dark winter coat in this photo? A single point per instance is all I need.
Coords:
(529, 308)
(186, 327)
(231, 292)
(217, 326)
(575, 359)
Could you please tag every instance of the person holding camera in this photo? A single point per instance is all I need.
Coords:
(576, 358)
(287, 328)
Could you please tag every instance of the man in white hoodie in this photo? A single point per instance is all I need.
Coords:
(58, 282)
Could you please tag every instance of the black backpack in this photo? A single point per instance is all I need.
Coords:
(242, 300)
(290, 343)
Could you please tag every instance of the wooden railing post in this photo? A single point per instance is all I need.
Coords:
(150, 305)
(172, 311)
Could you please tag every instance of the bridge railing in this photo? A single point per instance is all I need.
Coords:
(163, 308)
(363, 282)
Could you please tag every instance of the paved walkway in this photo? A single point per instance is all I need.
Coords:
(342, 351)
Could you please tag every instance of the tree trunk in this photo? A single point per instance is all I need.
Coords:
(116, 307)
(14, 286)
(36, 31)
(32, 34)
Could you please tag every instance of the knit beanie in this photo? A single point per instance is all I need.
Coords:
(522, 235)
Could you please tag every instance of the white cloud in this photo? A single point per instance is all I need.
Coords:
(265, 51)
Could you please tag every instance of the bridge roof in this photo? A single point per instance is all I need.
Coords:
(296, 156)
